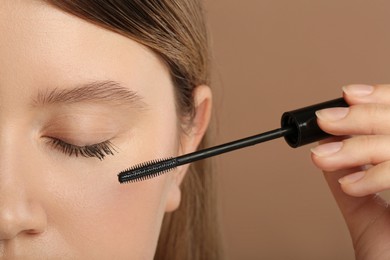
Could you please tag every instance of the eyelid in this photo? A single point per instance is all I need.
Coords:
(80, 139)
(76, 128)
(98, 150)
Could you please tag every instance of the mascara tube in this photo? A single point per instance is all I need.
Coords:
(303, 123)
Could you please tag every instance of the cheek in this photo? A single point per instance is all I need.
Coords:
(97, 215)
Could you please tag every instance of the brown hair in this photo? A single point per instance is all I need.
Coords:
(176, 31)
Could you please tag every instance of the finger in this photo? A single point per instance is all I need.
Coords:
(359, 212)
(364, 94)
(365, 182)
(362, 119)
(366, 119)
(349, 153)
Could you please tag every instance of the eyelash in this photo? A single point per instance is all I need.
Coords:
(99, 150)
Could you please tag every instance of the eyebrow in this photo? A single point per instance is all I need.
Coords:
(106, 91)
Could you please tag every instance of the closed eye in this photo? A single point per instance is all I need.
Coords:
(100, 150)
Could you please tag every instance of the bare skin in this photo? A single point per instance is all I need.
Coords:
(54, 204)
(357, 168)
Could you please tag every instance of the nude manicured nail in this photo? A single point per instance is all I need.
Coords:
(352, 178)
(327, 149)
(332, 114)
(358, 90)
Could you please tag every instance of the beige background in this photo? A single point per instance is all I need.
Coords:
(272, 56)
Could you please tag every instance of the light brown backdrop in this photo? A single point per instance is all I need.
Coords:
(272, 56)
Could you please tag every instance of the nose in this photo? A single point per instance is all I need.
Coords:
(20, 213)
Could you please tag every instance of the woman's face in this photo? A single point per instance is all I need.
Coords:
(66, 85)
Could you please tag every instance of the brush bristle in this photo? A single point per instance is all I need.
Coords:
(147, 170)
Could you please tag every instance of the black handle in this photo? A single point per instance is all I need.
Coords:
(303, 121)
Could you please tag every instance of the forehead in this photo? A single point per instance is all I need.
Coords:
(42, 45)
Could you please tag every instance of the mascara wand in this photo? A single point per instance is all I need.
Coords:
(298, 127)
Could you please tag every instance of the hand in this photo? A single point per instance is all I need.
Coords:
(358, 167)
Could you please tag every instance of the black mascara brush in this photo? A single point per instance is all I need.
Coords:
(298, 127)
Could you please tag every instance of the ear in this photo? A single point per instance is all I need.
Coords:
(190, 140)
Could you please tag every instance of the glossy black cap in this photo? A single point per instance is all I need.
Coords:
(303, 121)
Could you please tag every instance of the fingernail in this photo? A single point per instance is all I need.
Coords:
(352, 178)
(358, 90)
(332, 114)
(327, 149)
